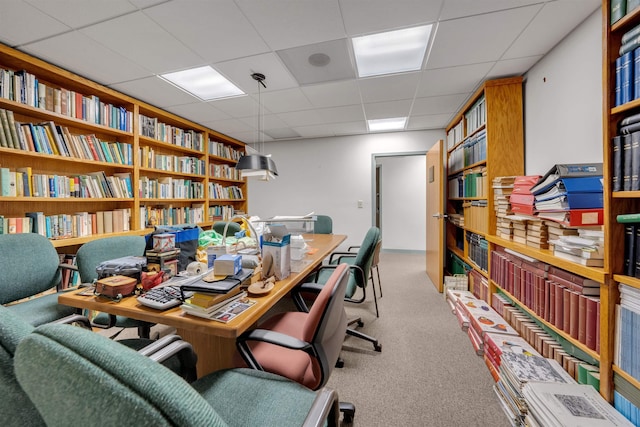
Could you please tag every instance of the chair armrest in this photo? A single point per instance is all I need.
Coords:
(159, 344)
(341, 255)
(185, 354)
(270, 337)
(297, 294)
(350, 248)
(75, 318)
(326, 406)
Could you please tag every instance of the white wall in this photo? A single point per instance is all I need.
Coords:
(404, 207)
(563, 115)
(329, 175)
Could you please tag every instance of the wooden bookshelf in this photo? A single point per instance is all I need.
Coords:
(615, 203)
(177, 151)
(502, 121)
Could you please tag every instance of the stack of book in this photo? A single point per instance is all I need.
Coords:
(517, 370)
(586, 249)
(163, 260)
(212, 306)
(502, 188)
(555, 230)
(568, 404)
(567, 187)
(519, 226)
(521, 198)
(537, 234)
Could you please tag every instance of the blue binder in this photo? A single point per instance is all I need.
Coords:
(586, 184)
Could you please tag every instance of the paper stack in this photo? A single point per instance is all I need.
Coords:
(502, 188)
(586, 249)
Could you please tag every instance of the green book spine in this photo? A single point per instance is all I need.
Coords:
(628, 218)
(618, 10)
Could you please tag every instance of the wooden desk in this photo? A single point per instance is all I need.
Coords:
(214, 342)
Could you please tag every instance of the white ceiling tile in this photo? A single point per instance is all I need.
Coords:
(347, 113)
(285, 100)
(512, 67)
(438, 104)
(333, 94)
(87, 58)
(549, 27)
(373, 16)
(239, 72)
(268, 121)
(313, 131)
(479, 39)
(301, 118)
(228, 125)
(460, 8)
(13, 30)
(353, 128)
(388, 110)
(434, 121)
(78, 13)
(389, 88)
(154, 91)
(216, 21)
(154, 47)
(289, 23)
(199, 112)
(447, 81)
(239, 106)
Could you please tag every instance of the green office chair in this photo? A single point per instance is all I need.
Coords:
(121, 387)
(96, 251)
(360, 267)
(232, 228)
(31, 266)
(323, 225)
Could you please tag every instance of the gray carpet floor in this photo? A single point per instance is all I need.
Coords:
(427, 373)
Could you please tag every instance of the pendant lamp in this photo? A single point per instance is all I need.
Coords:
(254, 163)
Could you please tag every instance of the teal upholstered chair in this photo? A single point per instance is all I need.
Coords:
(360, 267)
(121, 387)
(29, 266)
(96, 251)
(323, 225)
(232, 229)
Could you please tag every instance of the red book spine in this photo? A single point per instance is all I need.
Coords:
(566, 310)
(574, 301)
(552, 302)
(582, 319)
(592, 322)
(598, 326)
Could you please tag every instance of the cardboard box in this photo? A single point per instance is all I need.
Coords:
(281, 253)
(227, 265)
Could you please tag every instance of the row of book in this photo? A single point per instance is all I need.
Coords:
(625, 174)
(476, 116)
(221, 212)
(167, 162)
(475, 215)
(455, 135)
(223, 150)
(24, 183)
(25, 88)
(172, 215)
(232, 192)
(569, 302)
(224, 172)
(619, 8)
(472, 151)
(516, 365)
(62, 226)
(631, 223)
(169, 188)
(478, 250)
(49, 138)
(627, 342)
(151, 127)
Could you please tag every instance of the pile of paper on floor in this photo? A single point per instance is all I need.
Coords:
(559, 405)
(516, 370)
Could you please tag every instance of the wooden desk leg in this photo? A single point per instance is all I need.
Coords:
(214, 353)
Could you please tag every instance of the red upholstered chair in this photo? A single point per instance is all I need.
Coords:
(302, 346)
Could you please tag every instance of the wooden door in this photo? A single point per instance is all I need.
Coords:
(435, 215)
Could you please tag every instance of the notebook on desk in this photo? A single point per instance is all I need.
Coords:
(219, 286)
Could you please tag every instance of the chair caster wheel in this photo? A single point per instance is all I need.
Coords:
(377, 347)
(339, 363)
(347, 419)
(360, 323)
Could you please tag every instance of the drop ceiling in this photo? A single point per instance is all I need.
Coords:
(125, 45)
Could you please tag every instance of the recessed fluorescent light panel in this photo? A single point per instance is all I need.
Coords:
(391, 52)
(379, 125)
(204, 83)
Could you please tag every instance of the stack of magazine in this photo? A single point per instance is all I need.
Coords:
(223, 311)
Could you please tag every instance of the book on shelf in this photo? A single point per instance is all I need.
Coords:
(589, 262)
(569, 404)
(574, 217)
(560, 171)
(571, 201)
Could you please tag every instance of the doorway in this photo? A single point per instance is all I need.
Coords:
(399, 196)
